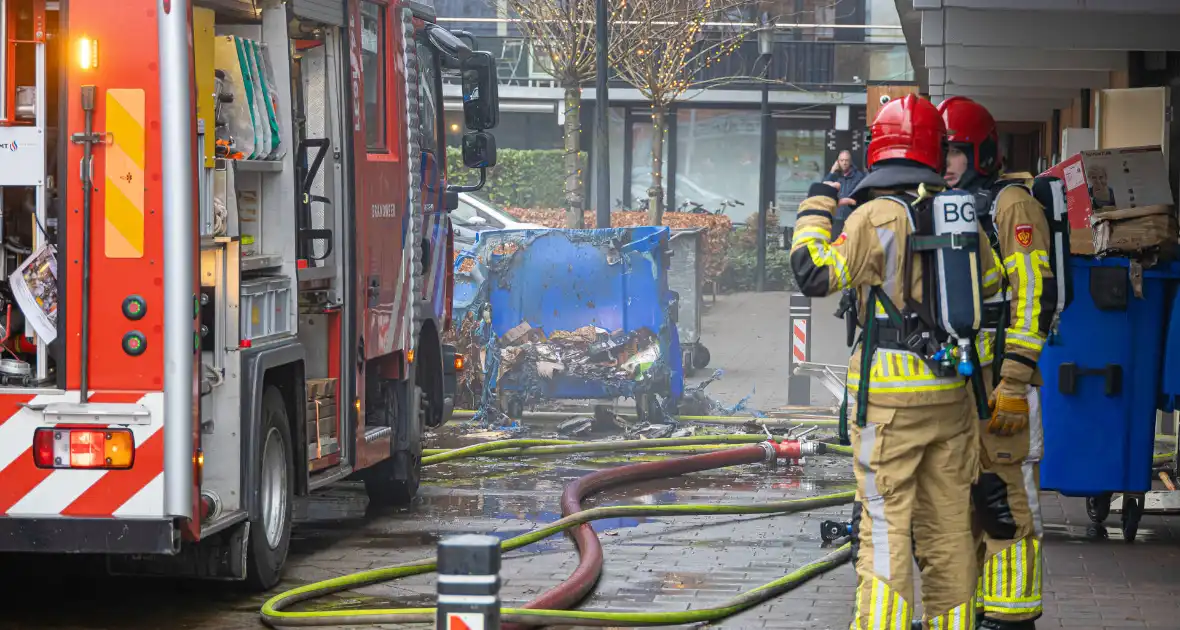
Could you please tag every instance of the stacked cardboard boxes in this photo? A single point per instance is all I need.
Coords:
(322, 413)
(1120, 203)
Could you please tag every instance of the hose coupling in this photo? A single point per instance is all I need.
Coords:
(810, 447)
(768, 449)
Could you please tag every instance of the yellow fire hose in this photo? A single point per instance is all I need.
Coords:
(276, 613)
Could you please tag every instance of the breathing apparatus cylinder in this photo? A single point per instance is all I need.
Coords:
(959, 272)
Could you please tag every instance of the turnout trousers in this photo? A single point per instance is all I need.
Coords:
(914, 469)
(1008, 519)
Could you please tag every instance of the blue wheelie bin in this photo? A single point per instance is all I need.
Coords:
(614, 279)
(1102, 376)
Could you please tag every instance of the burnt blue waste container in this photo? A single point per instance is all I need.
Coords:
(604, 293)
(1102, 376)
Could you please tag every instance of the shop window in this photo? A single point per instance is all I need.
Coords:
(615, 131)
(373, 76)
(799, 162)
(641, 140)
(717, 161)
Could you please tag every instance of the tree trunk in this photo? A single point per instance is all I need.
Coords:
(574, 207)
(655, 194)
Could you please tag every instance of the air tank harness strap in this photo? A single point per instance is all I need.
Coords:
(868, 342)
(929, 243)
(977, 387)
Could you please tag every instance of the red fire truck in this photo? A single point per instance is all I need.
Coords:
(227, 262)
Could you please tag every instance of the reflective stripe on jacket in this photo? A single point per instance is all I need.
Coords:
(1023, 234)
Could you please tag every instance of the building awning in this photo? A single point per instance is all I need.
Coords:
(1024, 58)
(510, 95)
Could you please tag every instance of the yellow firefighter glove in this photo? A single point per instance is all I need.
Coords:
(1009, 407)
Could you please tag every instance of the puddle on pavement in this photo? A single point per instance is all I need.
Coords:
(1091, 532)
(463, 495)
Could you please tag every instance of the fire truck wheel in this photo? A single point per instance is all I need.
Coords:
(394, 482)
(270, 523)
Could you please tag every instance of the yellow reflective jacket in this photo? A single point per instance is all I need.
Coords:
(871, 252)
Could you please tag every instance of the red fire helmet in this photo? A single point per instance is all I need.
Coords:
(908, 128)
(970, 126)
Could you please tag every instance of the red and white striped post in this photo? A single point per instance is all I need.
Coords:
(799, 341)
(799, 387)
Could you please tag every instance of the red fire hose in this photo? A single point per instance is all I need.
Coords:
(577, 586)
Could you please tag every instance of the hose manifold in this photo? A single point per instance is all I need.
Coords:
(791, 450)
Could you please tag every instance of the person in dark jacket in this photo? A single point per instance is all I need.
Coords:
(845, 173)
(846, 178)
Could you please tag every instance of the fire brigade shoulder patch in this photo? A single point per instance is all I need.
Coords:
(1024, 232)
(840, 239)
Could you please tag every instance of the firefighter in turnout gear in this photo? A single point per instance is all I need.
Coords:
(1016, 326)
(915, 440)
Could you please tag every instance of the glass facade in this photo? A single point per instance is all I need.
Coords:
(883, 13)
(800, 156)
(641, 140)
(615, 137)
(717, 159)
(711, 150)
(715, 154)
(517, 130)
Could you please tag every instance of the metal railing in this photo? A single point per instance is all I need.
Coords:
(810, 64)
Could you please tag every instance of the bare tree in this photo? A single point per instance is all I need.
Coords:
(665, 47)
(563, 41)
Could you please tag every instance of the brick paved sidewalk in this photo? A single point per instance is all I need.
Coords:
(699, 562)
(651, 563)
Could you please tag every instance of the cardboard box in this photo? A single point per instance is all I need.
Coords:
(1147, 229)
(1100, 181)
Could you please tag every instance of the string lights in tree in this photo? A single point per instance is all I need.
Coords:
(562, 32)
(667, 48)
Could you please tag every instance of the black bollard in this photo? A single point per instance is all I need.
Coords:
(468, 583)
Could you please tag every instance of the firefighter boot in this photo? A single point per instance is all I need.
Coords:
(996, 624)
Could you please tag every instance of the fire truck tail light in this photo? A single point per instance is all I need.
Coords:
(83, 448)
(87, 53)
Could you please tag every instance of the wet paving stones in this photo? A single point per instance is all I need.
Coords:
(681, 563)
(1093, 579)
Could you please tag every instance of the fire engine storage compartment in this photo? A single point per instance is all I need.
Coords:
(686, 273)
(543, 285)
(1102, 374)
(30, 126)
(254, 293)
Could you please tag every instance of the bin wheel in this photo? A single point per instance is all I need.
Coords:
(647, 409)
(1098, 508)
(515, 409)
(700, 357)
(1132, 512)
(687, 363)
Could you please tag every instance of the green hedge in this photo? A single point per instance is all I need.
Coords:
(522, 178)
